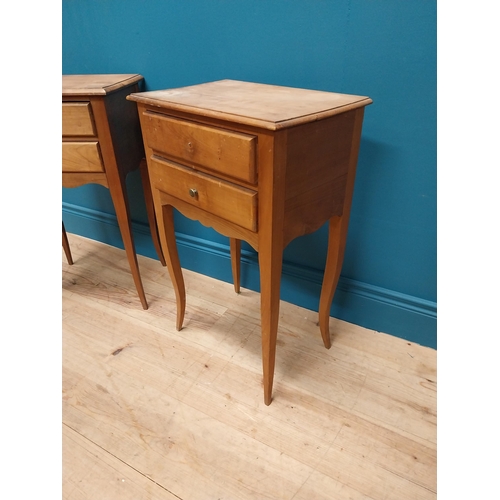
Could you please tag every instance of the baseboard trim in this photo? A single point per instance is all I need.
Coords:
(370, 306)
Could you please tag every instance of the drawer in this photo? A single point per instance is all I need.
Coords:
(77, 119)
(222, 151)
(215, 196)
(81, 157)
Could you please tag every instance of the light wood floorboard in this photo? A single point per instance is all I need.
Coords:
(152, 413)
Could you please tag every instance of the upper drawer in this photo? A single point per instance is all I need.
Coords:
(228, 153)
(77, 119)
(221, 198)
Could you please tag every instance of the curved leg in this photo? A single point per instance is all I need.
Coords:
(270, 264)
(117, 191)
(172, 258)
(337, 237)
(148, 198)
(336, 245)
(65, 244)
(235, 248)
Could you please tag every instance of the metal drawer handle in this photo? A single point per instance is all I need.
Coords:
(193, 193)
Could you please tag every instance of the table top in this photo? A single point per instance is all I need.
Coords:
(268, 106)
(96, 84)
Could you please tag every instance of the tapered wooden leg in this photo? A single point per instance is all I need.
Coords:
(335, 257)
(235, 249)
(337, 237)
(148, 198)
(172, 258)
(270, 264)
(65, 244)
(117, 191)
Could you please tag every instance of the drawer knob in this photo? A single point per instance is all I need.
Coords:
(193, 193)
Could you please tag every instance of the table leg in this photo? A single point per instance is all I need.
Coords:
(167, 236)
(270, 264)
(336, 245)
(117, 191)
(65, 244)
(337, 237)
(148, 198)
(235, 249)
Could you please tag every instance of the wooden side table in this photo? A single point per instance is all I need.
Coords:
(101, 143)
(259, 163)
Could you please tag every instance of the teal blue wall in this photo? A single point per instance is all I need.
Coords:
(382, 49)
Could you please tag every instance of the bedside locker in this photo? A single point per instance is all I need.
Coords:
(259, 163)
(102, 143)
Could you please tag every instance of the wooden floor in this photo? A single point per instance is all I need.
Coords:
(152, 413)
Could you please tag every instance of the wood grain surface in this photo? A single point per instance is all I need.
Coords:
(150, 412)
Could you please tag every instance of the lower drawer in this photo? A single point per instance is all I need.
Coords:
(215, 196)
(81, 157)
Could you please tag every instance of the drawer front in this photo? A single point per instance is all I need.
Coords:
(222, 151)
(81, 157)
(223, 199)
(77, 119)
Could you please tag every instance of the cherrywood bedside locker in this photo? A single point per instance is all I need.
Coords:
(102, 143)
(259, 163)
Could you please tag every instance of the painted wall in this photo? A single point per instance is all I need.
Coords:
(385, 50)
